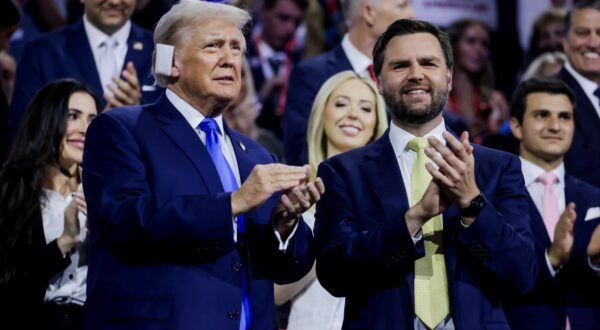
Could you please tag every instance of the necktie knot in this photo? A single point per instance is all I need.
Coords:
(547, 178)
(418, 144)
(209, 125)
(109, 43)
(275, 63)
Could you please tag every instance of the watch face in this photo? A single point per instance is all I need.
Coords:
(480, 201)
(476, 205)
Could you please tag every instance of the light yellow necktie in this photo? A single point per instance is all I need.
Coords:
(431, 284)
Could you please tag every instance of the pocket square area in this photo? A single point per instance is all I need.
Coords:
(592, 213)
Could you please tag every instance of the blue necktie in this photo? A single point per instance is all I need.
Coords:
(213, 145)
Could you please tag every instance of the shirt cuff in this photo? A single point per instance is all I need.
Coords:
(551, 268)
(283, 245)
(594, 267)
(418, 236)
(463, 224)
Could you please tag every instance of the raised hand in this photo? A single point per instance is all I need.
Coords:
(455, 171)
(127, 90)
(562, 245)
(593, 249)
(431, 204)
(71, 229)
(295, 202)
(263, 182)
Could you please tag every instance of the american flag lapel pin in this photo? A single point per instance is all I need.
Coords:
(243, 146)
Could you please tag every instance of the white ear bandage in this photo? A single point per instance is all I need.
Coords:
(164, 59)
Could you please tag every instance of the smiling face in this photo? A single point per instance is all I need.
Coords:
(81, 111)
(208, 66)
(349, 117)
(546, 131)
(109, 15)
(414, 79)
(582, 44)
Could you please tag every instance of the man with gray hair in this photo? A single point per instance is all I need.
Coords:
(366, 21)
(191, 222)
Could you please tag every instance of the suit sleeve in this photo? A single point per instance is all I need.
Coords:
(285, 266)
(350, 256)
(282, 266)
(126, 215)
(500, 238)
(300, 96)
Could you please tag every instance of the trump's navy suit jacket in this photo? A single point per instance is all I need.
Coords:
(575, 290)
(305, 81)
(66, 53)
(365, 252)
(583, 158)
(162, 253)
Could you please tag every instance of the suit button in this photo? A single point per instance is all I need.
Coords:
(237, 266)
(233, 314)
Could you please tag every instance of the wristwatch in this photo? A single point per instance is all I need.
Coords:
(475, 206)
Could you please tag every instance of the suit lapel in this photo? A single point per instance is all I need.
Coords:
(575, 193)
(245, 164)
(338, 60)
(586, 118)
(389, 188)
(137, 50)
(179, 130)
(83, 58)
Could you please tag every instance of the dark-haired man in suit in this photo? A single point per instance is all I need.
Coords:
(564, 211)
(420, 229)
(104, 49)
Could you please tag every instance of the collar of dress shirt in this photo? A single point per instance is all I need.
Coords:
(588, 86)
(531, 172)
(96, 37)
(266, 52)
(400, 138)
(191, 115)
(359, 61)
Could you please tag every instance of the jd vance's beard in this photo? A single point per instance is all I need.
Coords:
(415, 114)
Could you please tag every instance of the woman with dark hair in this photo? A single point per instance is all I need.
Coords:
(43, 266)
(473, 95)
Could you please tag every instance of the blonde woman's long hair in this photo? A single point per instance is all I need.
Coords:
(316, 139)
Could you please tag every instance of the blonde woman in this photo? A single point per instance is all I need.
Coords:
(347, 113)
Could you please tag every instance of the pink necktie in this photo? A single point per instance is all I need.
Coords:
(549, 203)
(551, 212)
